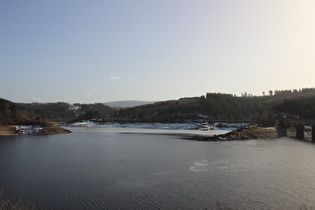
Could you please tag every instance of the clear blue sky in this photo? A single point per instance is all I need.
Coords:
(108, 50)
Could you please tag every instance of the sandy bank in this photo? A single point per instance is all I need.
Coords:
(7, 130)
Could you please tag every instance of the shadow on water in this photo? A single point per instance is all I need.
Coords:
(307, 140)
(9, 138)
(183, 136)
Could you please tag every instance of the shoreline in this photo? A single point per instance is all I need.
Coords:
(242, 133)
(6, 130)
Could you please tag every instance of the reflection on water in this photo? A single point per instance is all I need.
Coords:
(100, 169)
(228, 165)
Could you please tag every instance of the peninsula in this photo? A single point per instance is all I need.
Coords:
(41, 129)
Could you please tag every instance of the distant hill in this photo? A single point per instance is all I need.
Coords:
(127, 103)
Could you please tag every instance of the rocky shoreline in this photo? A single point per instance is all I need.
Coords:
(242, 133)
(33, 129)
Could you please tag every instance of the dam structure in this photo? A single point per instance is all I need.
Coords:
(283, 124)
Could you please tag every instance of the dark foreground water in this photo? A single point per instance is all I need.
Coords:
(109, 170)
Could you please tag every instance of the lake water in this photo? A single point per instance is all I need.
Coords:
(106, 169)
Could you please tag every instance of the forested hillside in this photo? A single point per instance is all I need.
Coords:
(41, 113)
(227, 107)
(8, 112)
(63, 111)
(214, 106)
(211, 107)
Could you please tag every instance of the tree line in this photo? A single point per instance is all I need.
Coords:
(226, 107)
(41, 113)
(211, 107)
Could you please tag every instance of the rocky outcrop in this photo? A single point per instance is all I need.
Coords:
(243, 133)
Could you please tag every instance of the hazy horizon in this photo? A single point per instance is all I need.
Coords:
(142, 102)
(103, 51)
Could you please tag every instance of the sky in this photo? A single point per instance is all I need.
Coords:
(153, 50)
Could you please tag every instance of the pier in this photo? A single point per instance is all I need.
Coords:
(283, 124)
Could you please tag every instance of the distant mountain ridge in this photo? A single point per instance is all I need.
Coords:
(127, 103)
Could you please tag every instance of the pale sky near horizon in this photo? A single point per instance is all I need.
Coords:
(105, 50)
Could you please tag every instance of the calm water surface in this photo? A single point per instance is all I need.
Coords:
(100, 169)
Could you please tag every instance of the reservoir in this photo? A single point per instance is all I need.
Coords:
(104, 168)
